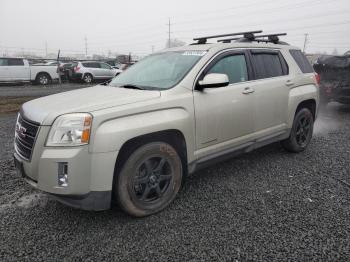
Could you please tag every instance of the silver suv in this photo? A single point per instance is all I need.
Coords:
(173, 113)
(92, 70)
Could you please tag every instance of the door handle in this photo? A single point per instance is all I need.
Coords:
(248, 90)
(289, 83)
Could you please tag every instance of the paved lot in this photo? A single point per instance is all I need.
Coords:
(266, 205)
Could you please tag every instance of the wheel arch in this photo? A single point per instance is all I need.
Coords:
(88, 73)
(173, 137)
(43, 73)
(309, 104)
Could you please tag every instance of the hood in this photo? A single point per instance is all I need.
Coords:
(44, 110)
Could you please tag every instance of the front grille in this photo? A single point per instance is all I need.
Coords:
(25, 135)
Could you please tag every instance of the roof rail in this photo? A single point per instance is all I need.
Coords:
(247, 35)
(271, 38)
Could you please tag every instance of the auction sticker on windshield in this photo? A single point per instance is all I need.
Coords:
(195, 53)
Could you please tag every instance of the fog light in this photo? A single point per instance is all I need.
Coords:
(63, 174)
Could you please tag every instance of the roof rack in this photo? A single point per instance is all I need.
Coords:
(247, 35)
(271, 38)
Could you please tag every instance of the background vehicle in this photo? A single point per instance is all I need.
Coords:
(64, 69)
(19, 70)
(92, 70)
(334, 74)
(170, 114)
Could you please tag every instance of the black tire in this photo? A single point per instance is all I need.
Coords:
(43, 79)
(301, 132)
(88, 78)
(149, 179)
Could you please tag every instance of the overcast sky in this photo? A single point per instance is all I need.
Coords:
(136, 26)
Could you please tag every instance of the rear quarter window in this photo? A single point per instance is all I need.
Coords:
(268, 64)
(301, 61)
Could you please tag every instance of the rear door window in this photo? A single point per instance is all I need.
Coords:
(234, 66)
(268, 64)
(91, 65)
(15, 62)
(302, 61)
(95, 65)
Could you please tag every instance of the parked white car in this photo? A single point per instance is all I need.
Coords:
(19, 70)
(90, 70)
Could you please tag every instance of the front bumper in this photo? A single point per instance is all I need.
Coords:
(93, 200)
(90, 176)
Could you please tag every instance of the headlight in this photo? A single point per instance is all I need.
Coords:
(70, 130)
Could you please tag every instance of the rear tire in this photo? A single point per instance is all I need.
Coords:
(149, 179)
(301, 132)
(42, 79)
(88, 78)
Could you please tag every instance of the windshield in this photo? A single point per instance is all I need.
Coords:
(159, 71)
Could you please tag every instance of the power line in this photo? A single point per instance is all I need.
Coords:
(253, 12)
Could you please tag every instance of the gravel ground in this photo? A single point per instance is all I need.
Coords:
(35, 90)
(267, 205)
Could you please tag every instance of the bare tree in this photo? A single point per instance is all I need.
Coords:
(174, 43)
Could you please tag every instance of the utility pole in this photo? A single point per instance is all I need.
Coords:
(305, 42)
(45, 48)
(152, 49)
(85, 46)
(58, 71)
(169, 33)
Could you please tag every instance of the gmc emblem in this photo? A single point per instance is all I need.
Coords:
(20, 130)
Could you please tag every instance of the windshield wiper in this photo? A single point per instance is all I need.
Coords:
(131, 86)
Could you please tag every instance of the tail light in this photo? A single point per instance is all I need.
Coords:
(76, 69)
(317, 79)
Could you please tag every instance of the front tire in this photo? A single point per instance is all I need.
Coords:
(149, 179)
(301, 132)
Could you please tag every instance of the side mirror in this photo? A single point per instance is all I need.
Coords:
(213, 81)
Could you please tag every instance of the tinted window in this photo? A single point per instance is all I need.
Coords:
(15, 62)
(267, 65)
(3, 62)
(302, 61)
(105, 66)
(233, 66)
(95, 65)
(91, 65)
